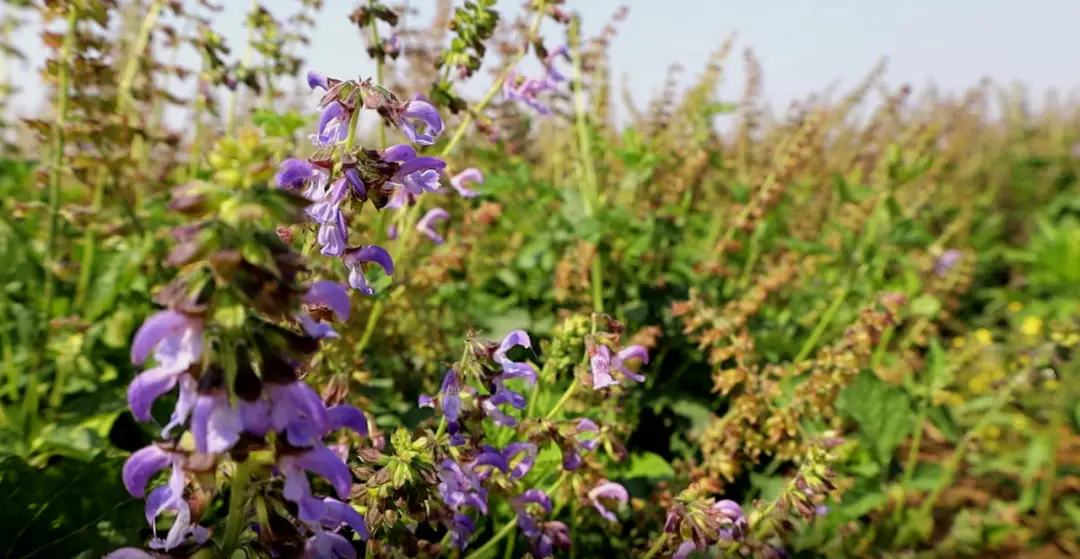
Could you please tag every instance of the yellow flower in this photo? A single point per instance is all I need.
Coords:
(1016, 306)
(1032, 326)
(983, 336)
(958, 342)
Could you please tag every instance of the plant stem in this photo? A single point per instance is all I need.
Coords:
(565, 398)
(234, 99)
(912, 460)
(590, 188)
(378, 73)
(237, 497)
(656, 546)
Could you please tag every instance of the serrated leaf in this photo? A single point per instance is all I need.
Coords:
(883, 413)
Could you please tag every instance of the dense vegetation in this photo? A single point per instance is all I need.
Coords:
(511, 325)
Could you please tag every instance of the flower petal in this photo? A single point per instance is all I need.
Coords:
(330, 294)
(155, 329)
(348, 416)
(147, 387)
(141, 466)
(321, 461)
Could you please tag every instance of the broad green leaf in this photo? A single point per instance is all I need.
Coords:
(882, 412)
(650, 465)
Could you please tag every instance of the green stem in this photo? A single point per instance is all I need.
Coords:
(237, 497)
(565, 398)
(590, 188)
(656, 546)
(1046, 491)
(378, 72)
(826, 319)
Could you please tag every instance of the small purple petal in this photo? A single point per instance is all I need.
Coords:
(338, 513)
(460, 182)
(155, 329)
(348, 416)
(399, 153)
(421, 122)
(322, 462)
(316, 80)
(295, 173)
(426, 224)
(608, 490)
(141, 466)
(148, 387)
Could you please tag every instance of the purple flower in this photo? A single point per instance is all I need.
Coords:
(417, 173)
(525, 520)
(328, 545)
(426, 224)
(316, 80)
(526, 91)
(572, 454)
(449, 396)
(420, 122)
(553, 535)
(143, 464)
(684, 550)
(320, 461)
(463, 527)
(947, 262)
(338, 513)
(391, 232)
(176, 340)
(604, 364)
(461, 181)
(460, 487)
(514, 369)
(215, 425)
(608, 490)
(295, 174)
(527, 452)
(328, 294)
(294, 401)
(356, 257)
(333, 125)
(128, 553)
(731, 514)
(554, 76)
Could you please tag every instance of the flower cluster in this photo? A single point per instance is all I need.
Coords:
(339, 175)
(232, 342)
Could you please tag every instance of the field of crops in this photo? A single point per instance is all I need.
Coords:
(380, 316)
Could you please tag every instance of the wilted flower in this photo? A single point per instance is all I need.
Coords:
(607, 490)
(553, 535)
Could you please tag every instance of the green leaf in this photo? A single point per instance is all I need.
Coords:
(71, 508)
(649, 465)
(926, 306)
(882, 412)
(1038, 455)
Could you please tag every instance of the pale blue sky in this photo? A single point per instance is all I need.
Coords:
(804, 45)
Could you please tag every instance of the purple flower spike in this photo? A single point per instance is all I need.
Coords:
(608, 490)
(159, 327)
(426, 224)
(142, 465)
(451, 399)
(461, 181)
(316, 80)
(348, 417)
(330, 294)
(421, 123)
(356, 257)
(295, 173)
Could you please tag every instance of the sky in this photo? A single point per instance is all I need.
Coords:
(804, 45)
